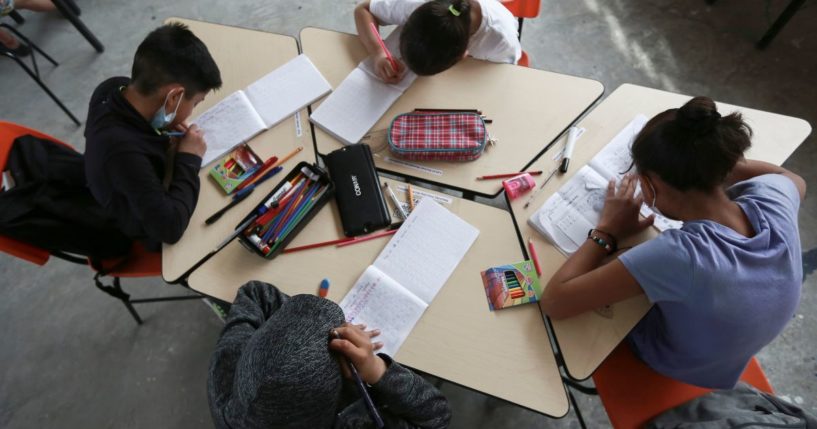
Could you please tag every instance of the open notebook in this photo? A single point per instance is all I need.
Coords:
(269, 100)
(396, 289)
(575, 208)
(361, 99)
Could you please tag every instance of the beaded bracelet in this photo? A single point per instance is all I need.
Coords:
(609, 247)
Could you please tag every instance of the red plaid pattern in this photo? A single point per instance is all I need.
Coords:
(438, 136)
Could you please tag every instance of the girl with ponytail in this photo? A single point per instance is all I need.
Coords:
(725, 284)
(436, 34)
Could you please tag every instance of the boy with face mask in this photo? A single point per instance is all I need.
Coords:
(141, 160)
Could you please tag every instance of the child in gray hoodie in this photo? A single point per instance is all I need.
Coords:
(275, 366)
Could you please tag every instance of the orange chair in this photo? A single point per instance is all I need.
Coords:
(138, 263)
(633, 394)
(523, 9)
(524, 61)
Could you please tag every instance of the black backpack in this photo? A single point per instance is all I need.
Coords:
(50, 205)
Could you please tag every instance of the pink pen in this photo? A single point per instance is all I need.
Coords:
(383, 46)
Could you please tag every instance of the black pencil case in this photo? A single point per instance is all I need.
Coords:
(360, 200)
(299, 197)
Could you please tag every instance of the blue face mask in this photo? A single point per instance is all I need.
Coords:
(161, 119)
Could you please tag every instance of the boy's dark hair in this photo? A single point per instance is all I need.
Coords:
(173, 54)
(434, 38)
(692, 147)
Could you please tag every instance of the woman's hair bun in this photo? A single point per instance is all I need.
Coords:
(699, 115)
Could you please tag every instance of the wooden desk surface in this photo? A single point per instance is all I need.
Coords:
(243, 56)
(505, 354)
(587, 339)
(529, 109)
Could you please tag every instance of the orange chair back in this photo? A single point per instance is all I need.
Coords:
(523, 8)
(138, 263)
(633, 394)
(8, 133)
(524, 61)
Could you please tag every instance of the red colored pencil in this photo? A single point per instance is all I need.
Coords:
(508, 175)
(321, 244)
(367, 237)
(534, 256)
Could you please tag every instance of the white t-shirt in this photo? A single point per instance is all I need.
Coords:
(496, 39)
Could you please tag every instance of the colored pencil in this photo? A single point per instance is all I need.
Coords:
(508, 175)
(284, 212)
(289, 156)
(367, 237)
(411, 197)
(376, 34)
(306, 205)
(534, 256)
(316, 245)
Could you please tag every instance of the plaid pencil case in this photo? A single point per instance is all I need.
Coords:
(435, 135)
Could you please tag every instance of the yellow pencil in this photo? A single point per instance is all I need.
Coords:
(411, 197)
(289, 156)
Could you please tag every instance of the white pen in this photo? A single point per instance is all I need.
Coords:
(396, 202)
(572, 133)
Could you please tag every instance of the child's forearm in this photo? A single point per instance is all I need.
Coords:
(746, 169)
(363, 21)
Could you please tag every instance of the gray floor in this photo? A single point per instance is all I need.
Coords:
(72, 357)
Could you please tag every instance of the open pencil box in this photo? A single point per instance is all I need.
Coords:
(438, 135)
(284, 212)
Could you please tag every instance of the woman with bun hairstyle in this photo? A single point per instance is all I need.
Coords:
(436, 34)
(725, 284)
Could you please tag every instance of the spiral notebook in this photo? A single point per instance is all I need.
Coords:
(394, 292)
(361, 99)
(245, 113)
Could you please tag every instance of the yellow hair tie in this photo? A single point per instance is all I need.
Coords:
(453, 11)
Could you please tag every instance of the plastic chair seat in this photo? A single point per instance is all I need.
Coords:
(138, 263)
(633, 394)
(524, 61)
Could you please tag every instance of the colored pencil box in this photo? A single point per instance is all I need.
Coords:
(287, 209)
(510, 285)
(232, 170)
(433, 135)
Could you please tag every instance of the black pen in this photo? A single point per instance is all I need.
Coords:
(378, 421)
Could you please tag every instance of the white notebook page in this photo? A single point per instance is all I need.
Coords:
(426, 249)
(230, 122)
(287, 89)
(360, 100)
(381, 303)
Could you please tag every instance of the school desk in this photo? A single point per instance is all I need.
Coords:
(506, 354)
(243, 56)
(585, 340)
(529, 109)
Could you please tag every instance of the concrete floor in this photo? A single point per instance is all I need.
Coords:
(72, 357)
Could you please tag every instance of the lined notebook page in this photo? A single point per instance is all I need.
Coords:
(230, 122)
(381, 303)
(287, 89)
(426, 249)
(360, 100)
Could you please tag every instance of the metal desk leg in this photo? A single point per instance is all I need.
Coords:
(69, 14)
(17, 17)
(779, 23)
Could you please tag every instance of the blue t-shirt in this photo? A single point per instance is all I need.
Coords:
(719, 297)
